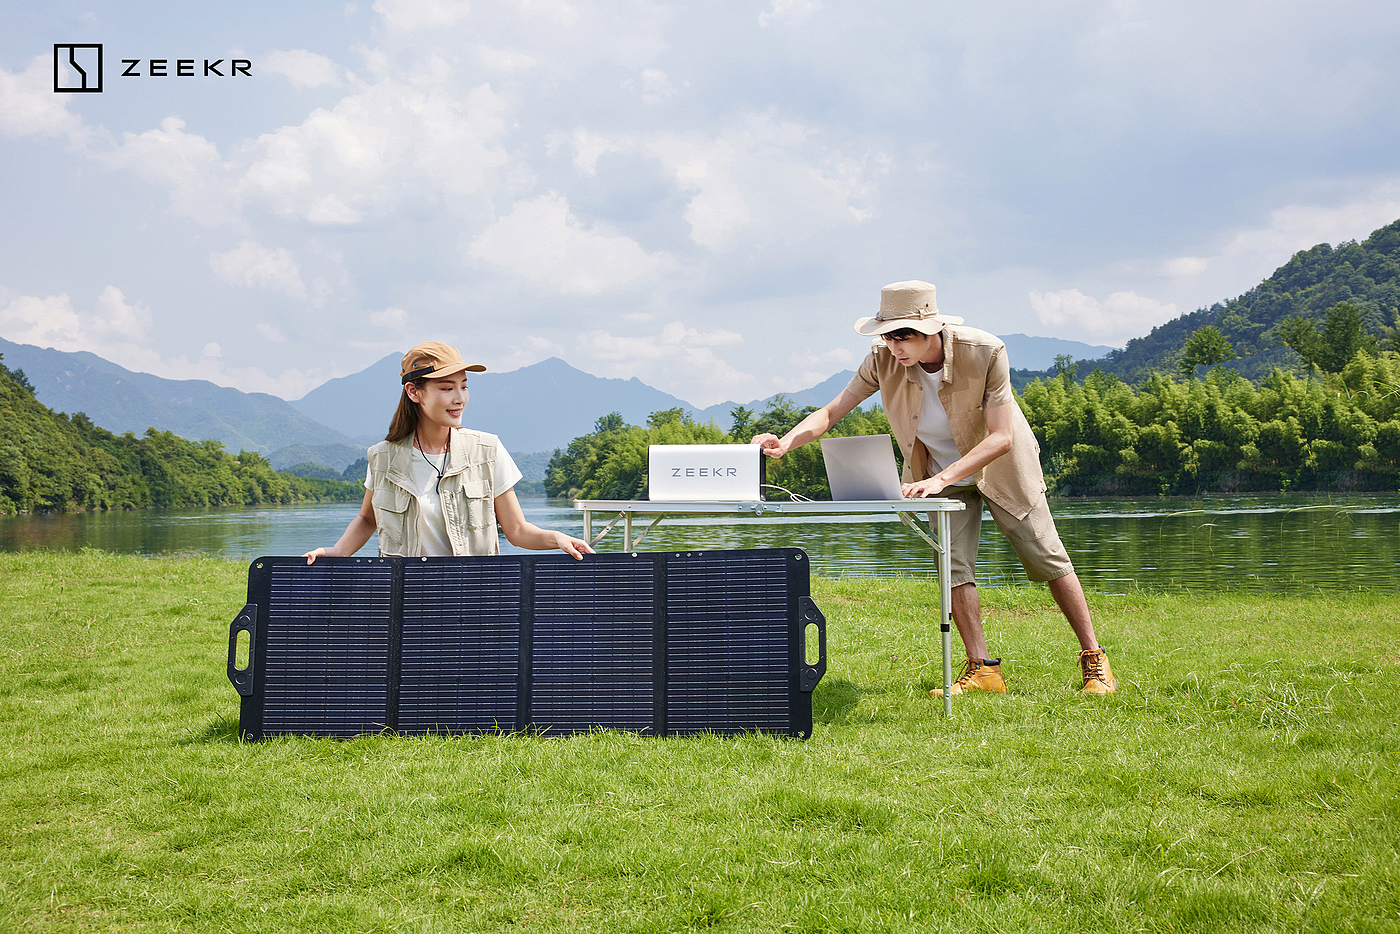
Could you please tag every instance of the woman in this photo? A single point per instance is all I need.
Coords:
(434, 487)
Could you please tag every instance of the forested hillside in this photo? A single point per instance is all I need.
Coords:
(50, 461)
(1365, 275)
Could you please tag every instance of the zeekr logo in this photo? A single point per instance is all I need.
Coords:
(77, 68)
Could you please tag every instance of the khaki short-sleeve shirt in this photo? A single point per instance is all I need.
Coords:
(975, 377)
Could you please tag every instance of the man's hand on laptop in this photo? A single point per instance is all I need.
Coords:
(930, 487)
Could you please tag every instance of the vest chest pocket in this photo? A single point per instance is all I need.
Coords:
(472, 501)
(391, 514)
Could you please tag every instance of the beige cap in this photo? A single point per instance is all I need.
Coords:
(432, 359)
(906, 305)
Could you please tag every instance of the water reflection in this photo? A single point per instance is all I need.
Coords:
(1276, 543)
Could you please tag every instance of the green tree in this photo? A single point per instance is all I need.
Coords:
(1330, 350)
(676, 416)
(742, 428)
(1065, 367)
(1206, 346)
(16, 376)
(613, 421)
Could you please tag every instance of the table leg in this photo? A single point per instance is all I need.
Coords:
(945, 604)
(627, 534)
(588, 526)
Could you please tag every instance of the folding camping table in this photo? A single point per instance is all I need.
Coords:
(908, 510)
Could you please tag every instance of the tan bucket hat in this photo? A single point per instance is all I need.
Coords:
(432, 359)
(906, 305)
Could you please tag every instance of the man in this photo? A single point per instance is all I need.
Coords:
(947, 392)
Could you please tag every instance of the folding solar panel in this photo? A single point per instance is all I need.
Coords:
(663, 643)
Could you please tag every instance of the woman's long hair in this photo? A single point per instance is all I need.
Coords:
(405, 421)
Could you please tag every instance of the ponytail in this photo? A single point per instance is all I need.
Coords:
(405, 421)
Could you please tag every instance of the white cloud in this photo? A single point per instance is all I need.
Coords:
(390, 142)
(678, 356)
(559, 12)
(271, 334)
(52, 321)
(186, 164)
(1116, 319)
(302, 68)
(1299, 227)
(120, 331)
(409, 15)
(118, 318)
(656, 87)
(255, 266)
(1241, 257)
(677, 333)
(807, 368)
(838, 358)
(541, 242)
(761, 181)
(1185, 266)
(46, 322)
(588, 148)
(504, 59)
(394, 319)
(789, 12)
(320, 291)
(29, 106)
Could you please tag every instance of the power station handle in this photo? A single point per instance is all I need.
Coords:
(811, 615)
(245, 621)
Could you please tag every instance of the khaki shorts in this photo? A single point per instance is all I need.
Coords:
(1034, 538)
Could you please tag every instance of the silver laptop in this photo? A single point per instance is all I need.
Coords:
(861, 468)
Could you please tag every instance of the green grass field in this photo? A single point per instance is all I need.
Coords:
(1244, 778)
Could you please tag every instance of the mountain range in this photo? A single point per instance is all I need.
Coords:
(544, 406)
(535, 409)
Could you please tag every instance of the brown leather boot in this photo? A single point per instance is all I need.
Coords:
(980, 674)
(1098, 677)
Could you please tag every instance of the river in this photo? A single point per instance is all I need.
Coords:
(1289, 543)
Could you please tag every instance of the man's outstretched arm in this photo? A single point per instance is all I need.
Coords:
(810, 428)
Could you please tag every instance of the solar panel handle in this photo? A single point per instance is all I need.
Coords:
(811, 615)
(245, 621)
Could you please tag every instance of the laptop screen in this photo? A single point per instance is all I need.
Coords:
(861, 468)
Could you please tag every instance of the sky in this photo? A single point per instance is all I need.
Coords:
(703, 195)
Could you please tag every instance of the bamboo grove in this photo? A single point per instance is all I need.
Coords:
(1336, 432)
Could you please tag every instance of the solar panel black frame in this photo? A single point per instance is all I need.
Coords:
(662, 643)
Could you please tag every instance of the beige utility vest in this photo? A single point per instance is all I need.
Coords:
(975, 376)
(468, 492)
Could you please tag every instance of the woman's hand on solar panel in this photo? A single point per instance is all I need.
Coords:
(576, 547)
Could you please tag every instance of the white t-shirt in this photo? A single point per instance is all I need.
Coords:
(432, 527)
(934, 430)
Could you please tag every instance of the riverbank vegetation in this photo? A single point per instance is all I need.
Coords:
(50, 461)
(611, 461)
(1329, 432)
(1099, 437)
(1243, 779)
